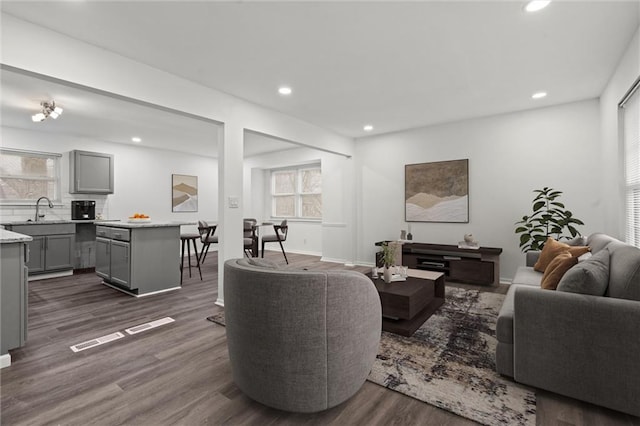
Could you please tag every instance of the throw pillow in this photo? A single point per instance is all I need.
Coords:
(585, 256)
(580, 240)
(556, 269)
(588, 277)
(552, 248)
(262, 263)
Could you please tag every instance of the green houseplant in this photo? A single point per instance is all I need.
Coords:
(388, 259)
(548, 219)
(388, 255)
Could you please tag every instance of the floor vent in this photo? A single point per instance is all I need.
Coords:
(97, 342)
(149, 325)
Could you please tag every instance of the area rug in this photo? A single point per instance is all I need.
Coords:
(449, 362)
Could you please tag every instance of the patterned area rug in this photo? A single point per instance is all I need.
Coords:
(450, 362)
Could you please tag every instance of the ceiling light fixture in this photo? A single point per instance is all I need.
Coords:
(49, 109)
(368, 128)
(536, 5)
(539, 95)
(136, 139)
(284, 90)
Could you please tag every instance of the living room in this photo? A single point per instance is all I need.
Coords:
(571, 145)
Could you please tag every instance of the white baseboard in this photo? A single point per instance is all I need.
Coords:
(220, 302)
(308, 253)
(5, 360)
(130, 293)
(332, 260)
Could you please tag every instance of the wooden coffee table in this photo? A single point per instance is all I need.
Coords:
(406, 305)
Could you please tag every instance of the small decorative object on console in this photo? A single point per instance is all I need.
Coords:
(469, 242)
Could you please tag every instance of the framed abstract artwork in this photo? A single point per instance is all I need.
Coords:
(184, 193)
(437, 192)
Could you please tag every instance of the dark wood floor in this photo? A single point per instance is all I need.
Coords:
(179, 373)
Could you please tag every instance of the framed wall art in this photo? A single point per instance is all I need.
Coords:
(437, 192)
(184, 193)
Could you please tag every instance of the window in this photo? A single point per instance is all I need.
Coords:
(631, 136)
(26, 176)
(297, 192)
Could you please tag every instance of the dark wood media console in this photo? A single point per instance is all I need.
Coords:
(473, 266)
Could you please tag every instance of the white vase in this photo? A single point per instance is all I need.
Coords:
(386, 274)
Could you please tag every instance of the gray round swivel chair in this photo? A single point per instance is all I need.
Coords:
(300, 341)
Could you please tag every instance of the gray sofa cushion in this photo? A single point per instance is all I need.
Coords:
(624, 271)
(588, 277)
(526, 275)
(598, 241)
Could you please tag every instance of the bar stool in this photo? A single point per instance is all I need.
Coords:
(186, 239)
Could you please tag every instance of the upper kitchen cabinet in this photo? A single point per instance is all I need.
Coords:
(90, 173)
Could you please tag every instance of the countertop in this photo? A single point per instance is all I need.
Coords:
(152, 224)
(55, 221)
(13, 237)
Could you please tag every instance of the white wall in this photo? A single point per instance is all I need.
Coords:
(330, 238)
(79, 62)
(611, 150)
(142, 179)
(509, 156)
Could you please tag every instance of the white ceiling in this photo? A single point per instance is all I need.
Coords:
(92, 115)
(395, 65)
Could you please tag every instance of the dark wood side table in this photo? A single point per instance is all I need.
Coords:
(406, 305)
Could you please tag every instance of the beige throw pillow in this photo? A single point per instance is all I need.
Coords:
(552, 248)
(556, 270)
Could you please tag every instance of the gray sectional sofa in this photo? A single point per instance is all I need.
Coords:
(573, 342)
(300, 341)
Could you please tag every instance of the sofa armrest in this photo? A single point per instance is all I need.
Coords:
(582, 346)
(532, 257)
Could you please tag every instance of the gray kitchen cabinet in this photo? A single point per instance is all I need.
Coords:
(138, 260)
(90, 173)
(112, 256)
(58, 251)
(52, 247)
(13, 296)
(103, 257)
(120, 270)
(36, 254)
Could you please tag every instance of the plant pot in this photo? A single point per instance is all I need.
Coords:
(386, 274)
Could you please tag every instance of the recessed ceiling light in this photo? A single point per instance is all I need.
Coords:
(536, 5)
(539, 95)
(368, 128)
(284, 90)
(136, 139)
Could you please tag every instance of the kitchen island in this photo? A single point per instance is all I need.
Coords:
(139, 258)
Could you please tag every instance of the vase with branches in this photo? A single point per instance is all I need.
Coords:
(388, 260)
(548, 219)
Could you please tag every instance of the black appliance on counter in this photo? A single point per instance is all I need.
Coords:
(83, 210)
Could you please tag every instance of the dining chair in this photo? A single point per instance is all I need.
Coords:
(280, 236)
(250, 236)
(206, 238)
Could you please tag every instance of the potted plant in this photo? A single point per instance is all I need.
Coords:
(388, 259)
(549, 219)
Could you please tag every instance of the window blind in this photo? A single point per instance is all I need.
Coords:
(631, 135)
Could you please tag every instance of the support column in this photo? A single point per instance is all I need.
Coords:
(230, 208)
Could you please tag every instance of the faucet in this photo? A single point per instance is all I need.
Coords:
(38, 215)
